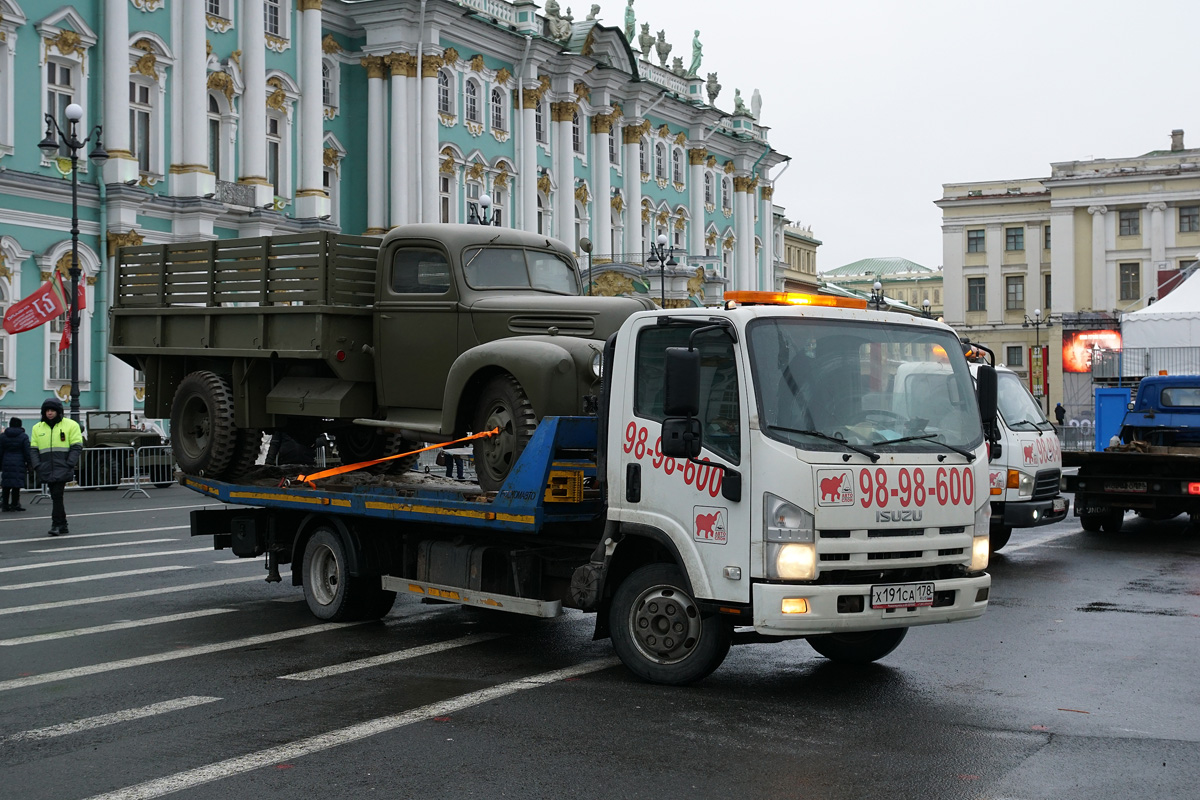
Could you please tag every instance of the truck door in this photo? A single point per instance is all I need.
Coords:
(416, 330)
(678, 497)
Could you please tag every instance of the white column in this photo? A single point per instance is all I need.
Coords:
(766, 219)
(1033, 273)
(994, 244)
(954, 284)
(526, 183)
(121, 165)
(1158, 248)
(377, 199)
(561, 115)
(192, 177)
(428, 182)
(631, 135)
(743, 226)
(400, 64)
(311, 198)
(253, 134)
(695, 242)
(1062, 259)
(1100, 277)
(601, 184)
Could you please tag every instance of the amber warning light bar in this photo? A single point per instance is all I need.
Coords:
(794, 299)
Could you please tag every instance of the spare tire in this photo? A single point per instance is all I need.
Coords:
(503, 406)
(203, 435)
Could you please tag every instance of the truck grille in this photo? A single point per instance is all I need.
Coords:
(1045, 484)
(867, 549)
(542, 323)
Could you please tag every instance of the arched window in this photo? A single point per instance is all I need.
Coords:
(444, 92)
(726, 193)
(326, 85)
(497, 110)
(471, 101)
(708, 189)
(214, 136)
(539, 124)
(541, 217)
(677, 165)
(612, 146)
(576, 133)
(642, 157)
(660, 161)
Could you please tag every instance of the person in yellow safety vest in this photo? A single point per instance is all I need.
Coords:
(57, 444)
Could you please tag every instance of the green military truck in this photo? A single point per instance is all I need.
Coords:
(113, 450)
(428, 334)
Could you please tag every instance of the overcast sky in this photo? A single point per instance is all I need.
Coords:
(879, 103)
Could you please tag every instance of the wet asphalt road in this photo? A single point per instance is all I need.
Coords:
(1079, 682)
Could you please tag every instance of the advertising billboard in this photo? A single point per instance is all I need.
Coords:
(1078, 347)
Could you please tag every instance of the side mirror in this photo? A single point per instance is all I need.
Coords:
(682, 395)
(986, 383)
(680, 437)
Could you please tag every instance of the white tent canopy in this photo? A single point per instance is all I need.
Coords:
(1173, 322)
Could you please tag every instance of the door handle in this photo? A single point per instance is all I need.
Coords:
(385, 316)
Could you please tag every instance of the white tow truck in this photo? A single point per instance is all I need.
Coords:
(755, 473)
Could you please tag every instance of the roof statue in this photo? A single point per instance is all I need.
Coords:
(755, 105)
(646, 40)
(697, 52)
(594, 12)
(713, 88)
(559, 27)
(663, 48)
(677, 66)
(739, 107)
(630, 23)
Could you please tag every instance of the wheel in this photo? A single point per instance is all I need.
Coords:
(503, 404)
(858, 648)
(1091, 522)
(203, 434)
(659, 632)
(999, 537)
(246, 449)
(331, 593)
(1113, 521)
(359, 443)
(395, 443)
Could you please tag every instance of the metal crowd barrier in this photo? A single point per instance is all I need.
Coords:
(128, 468)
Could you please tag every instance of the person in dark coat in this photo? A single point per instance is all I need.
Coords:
(57, 444)
(15, 459)
(1060, 414)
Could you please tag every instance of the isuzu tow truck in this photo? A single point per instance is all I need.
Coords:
(753, 473)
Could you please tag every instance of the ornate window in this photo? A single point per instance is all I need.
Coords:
(541, 217)
(273, 18)
(326, 84)
(444, 197)
(497, 110)
(576, 133)
(498, 204)
(471, 100)
(276, 161)
(612, 145)
(60, 93)
(214, 136)
(643, 157)
(708, 189)
(539, 124)
(677, 165)
(141, 117)
(727, 193)
(660, 161)
(443, 79)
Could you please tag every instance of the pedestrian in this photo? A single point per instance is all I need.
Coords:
(15, 460)
(57, 444)
(1060, 414)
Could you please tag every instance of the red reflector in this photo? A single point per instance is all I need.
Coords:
(341, 355)
(1194, 488)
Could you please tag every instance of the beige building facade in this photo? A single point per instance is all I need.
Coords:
(797, 271)
(899, 279)
(1093, 240)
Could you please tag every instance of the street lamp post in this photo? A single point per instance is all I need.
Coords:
(926, 311)
(665, 257)
(585, 246)
(484, 217)
(1037, 323)
(54, 138)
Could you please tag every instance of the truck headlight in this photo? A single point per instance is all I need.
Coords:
(1021, 481)
(598, 365)
(788, 532)
(980, 547)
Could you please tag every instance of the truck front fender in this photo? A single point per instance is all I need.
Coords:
(554, 371)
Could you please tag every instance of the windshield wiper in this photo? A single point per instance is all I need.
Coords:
(1014, 425)
(474, 256)
(930, 438)
(871, 454)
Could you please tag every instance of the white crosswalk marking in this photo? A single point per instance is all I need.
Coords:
(48, 564)
(75, 514)
(170, 655)
(108, 598)
(88, 723)
(113, 626)
(1012, 548)
(84, 579)
(389, 658)
(133, 543)
(353, 733)
(65, 536)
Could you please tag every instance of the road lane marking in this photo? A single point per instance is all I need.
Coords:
(1035, 542)
(66, 536)
(134, 510)
(100, 721)
(106, 544)
(238, 561)
(170, 655)
(65, 562)
(131, 595)
(84, 579)
(389, 658)
(113, 626)
(352, 733)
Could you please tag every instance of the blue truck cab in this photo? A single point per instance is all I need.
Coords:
(1165, 412)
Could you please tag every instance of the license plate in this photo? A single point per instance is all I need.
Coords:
(1125, 486)
(1060, 504)
(901, 595)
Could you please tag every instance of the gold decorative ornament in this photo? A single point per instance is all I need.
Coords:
(63, 264)
(503, 75)
(475, 171)
(118, 240)
(695, 284)
(4, 270)
(308, 5)
(710, 239)
(450, 56)
(402, 64)
(617, 203)
(277, 100)
(663, 217)
(681, 138)
(612, 284)
(768, 192)
(632, 134)
(145, 45)
(645, 215)
(563, 112)
(476, 62)
(680, 223)
(501, 179)
(543, 184)
(447, 165)
(329, 45)
(373, 65)
(589, 44)
(276, 44)
(696, 156)
(728, 242)
(67, 42)
(217, 24)
(582, 90)
(742, 184)
(664, 132)
(331, 158)
(146, 66)
(728, 168)
(711, 162)
(207, 47)
(430, 66)
(221, 82)
(581, 195)
(679, 187)
(236, 57)
(603, 123)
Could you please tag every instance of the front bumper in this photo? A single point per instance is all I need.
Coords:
(1030, 514)
(823, 616)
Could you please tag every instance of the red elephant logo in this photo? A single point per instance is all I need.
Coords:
(834, 488)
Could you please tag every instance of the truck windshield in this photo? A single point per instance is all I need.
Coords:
(1018, 408)
(865, 384)
(515, 268)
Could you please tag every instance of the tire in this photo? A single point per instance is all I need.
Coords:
(394, 443)
(329, 590)
(360, 443)
(246, 449)
(503, 404)
(999, 537)
(203, 436)
(858, 648)
(1091, 522)
(1113, 521)
(658, 631)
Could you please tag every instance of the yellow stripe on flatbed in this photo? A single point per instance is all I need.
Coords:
(523, 519)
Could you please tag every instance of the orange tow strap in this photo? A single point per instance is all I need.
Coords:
(329, 473)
